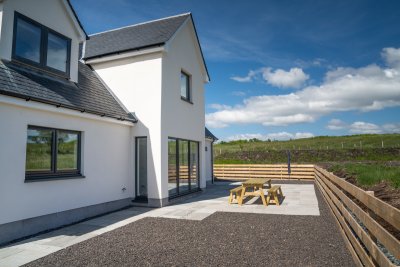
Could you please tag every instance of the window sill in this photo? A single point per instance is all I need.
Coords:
(46, 178)
(23, 63)
(186, 100)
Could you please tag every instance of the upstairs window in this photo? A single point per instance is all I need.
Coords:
(185, 87)
(27, 40)
(39, 46)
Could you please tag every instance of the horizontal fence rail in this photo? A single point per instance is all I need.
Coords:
(273, 171)
(364, 219)
(362, 232)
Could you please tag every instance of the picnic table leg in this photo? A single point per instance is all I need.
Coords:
(230, 198)
(280, 191)
(276, 199)
(261, 190)
(240, 199)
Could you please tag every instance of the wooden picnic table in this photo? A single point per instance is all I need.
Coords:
(257, 186)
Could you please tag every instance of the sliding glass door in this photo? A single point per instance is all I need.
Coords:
(183, 166)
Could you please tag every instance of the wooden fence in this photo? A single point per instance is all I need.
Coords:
(362, 232)
(359, 214)
(273, 171)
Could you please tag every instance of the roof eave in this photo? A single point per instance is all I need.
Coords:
(128, 118)
(154, 48)
(78, 25)
(208, 78)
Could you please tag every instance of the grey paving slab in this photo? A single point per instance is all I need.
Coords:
(9, 251)
(300, 199)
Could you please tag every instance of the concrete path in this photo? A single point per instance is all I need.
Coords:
(300, 199)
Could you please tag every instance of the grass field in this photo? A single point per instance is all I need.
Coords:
(361, 156)
(366, 141)
(370, 174)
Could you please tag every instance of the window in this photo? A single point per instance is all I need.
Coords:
(57, 52)
(185, 87)
(183, 166)
(40, 46)
(52, 153)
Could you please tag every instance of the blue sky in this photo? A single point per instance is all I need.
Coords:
(285, 69)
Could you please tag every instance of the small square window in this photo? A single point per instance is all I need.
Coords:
(185, 87)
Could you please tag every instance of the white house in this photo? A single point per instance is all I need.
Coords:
(89, 124)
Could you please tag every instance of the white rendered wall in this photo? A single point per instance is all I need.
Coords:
(50, 13)
(208, 156)
(107, 162)
(179, 118)
(136, 81)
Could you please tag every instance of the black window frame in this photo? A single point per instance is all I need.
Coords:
(54, 173)
(188, 87)
(191, 189)
(43, 47)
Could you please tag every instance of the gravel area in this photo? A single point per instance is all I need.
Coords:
(221, 239)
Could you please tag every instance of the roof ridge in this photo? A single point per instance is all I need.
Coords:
(141, 23)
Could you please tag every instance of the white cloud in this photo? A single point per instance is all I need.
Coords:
(294, 78)
(391, 56)
(336, 124)
(272, 136)
(391, 128)
(238, 93)
(219, 106)
(360, 127)
(245, 79)
(343, 89)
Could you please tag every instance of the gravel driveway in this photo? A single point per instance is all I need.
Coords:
(221, 239)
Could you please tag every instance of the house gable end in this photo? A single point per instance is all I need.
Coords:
(189, 22)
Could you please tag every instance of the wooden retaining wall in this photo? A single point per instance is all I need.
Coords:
(273, 171)
(359, 214)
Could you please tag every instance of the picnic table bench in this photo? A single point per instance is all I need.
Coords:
(257, 186)
(274, 192)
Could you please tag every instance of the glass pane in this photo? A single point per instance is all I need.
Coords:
(38, 150)
(172, 173)
(67, 151)
(184, 85)
(27, 41)
(183, 166)
(57, 52)
(194, 165)
(141, 169)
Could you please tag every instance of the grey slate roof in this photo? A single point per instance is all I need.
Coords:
(145, 35)
(210, 135)
(89, 95)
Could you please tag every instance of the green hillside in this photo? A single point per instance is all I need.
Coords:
(372, 147)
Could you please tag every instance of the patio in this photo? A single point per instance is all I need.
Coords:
(202, 229)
